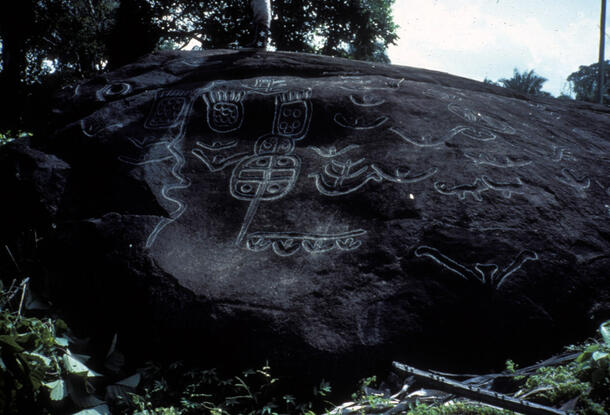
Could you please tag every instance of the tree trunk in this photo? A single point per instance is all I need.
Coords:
(16, 22)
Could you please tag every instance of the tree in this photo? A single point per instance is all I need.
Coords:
(526, 82)
(585, 81)
(359, 29)
(48, 43)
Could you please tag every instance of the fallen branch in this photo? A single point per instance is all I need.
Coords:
(477, 394)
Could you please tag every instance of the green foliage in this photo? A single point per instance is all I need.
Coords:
(584, 82)
(183, 391)
(456, 408)
(526, 82)
(587, 378)
(8, 136)
(37, 370)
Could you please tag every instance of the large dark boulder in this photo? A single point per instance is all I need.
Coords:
(324, 214)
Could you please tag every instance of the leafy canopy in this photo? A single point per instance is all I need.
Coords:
(584, 82)
(526, 82)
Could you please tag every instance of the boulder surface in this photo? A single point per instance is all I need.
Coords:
(322, 213)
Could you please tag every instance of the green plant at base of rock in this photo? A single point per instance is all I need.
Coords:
(177, 390)
(8, 136)
(37, 370)
(587, 379)
(456, 408)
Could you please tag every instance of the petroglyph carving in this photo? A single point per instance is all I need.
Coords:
(479, 186)
(569, 177)
(292, 114)
(266, 86)
(332, 151)
(475, 189)
(480, 134)
(501, 162)
(368, 324)
(92, 126)
(359, 122)
(561, 153)
(264, 177)
(355, 84)
(506, 189)
(428, 140)
(404, 177)
(268, 175)
(476, 117)
(342, 178)
(114, 90)
(169, 110)
(444, 96)
(218, 145)
(288, 243)
(137, 162)
(366, 100)
(217, 162)
(271, 171)
(225, 109)
(146, 142)
(485, 273)
(180, 183)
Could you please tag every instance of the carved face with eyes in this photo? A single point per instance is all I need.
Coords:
(271, 144)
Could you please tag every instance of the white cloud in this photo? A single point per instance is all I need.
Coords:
(483, 38)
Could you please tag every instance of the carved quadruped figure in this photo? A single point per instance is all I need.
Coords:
(484, 273)
(225, 109)
(479, 186)
(462, 190)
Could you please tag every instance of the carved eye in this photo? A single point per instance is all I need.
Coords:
(274, 188)
(246, 188)
(283, 161)
(285, 145)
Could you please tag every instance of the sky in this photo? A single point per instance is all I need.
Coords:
(489, 38)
